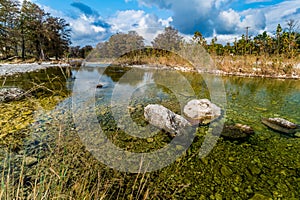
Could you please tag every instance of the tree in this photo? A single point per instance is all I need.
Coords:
(292, 44)
(9, 13)
(32, 19)
(56, 36)
(198, 38)
(42, 35)
(168, 40)
(264, 43)
(119, 44)
(84, 51)
(278, 35)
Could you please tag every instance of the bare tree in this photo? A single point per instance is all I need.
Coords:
(168, 40)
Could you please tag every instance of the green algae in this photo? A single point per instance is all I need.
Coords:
(46, 88)
(267, 165)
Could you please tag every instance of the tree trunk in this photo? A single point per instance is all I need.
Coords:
(23, 45)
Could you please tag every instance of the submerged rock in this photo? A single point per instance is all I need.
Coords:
(165, 119)
(281, 125)
(237, 131)
(258, 196)
(11, 93)
(201, 111)
(226, 171)
(99, 86)
(29, 161)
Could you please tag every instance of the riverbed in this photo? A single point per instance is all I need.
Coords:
(62, 136)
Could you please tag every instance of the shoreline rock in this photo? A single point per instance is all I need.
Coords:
(214, 72)
(8, 94)
(13, 69)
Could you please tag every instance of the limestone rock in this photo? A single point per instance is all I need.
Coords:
(201, 111)
(11, 93)
(237, 131)
(165, 119)
(281, 125)
(29, 161)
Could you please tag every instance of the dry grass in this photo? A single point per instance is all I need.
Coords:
(70, 175)
(156, 57)
(258, 65)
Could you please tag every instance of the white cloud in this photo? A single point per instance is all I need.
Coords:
(166, 22)
(146, 25)
(208, 16)
(228, 21)
(84, 31)
(281, 12)
(255, 19)
(257, 1)
(225, 38)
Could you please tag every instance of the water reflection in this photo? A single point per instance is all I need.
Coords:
(248, 99)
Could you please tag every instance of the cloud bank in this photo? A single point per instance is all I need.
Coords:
(90, 28)
(226, 19)
(209, 16)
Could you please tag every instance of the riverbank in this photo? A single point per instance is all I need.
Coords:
(232, 65)
(257, 66)
(12, 69)
(228, 66)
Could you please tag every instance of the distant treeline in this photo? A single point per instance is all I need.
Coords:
(123, 43)
(27, 31)
(284, 42)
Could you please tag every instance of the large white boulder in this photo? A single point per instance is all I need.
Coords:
(201, 111)
(165, 119)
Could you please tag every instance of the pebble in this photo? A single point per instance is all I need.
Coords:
(218, 197)
(204, 161)
(232, 159)
(254, 169)
(258, 196)
(226, 171)
(29, 161)
(150, 140)
(236, 189)
(249, 191)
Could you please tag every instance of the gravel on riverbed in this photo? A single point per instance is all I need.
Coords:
(11, 69)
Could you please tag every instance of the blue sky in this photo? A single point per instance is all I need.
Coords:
(93, 21)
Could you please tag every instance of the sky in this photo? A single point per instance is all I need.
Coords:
(94, 21)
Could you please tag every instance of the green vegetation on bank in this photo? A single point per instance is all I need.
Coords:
(283, 42)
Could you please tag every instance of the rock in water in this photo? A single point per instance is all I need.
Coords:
(165, 119)
(281, 125)
(11, 93)
(201, 111)
(29, 161)
(237, 131)
(99, 86)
